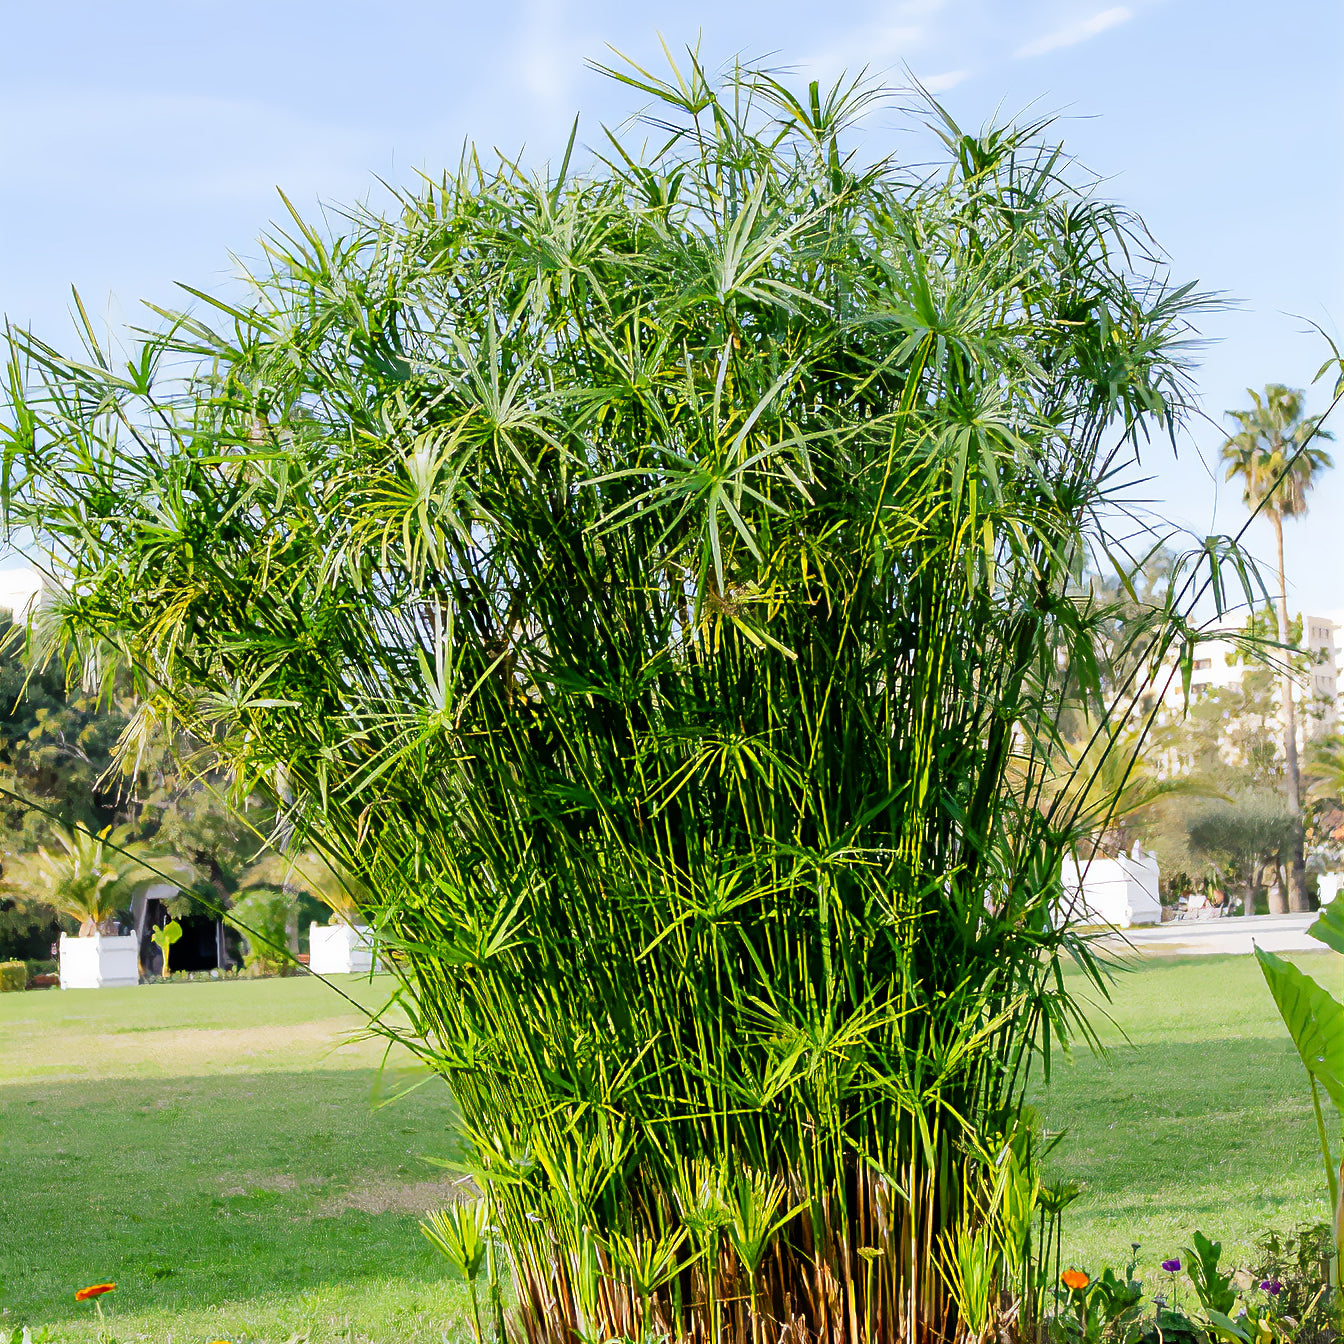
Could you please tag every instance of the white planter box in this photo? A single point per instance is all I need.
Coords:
(340, 949)
(1121, 891)
(101, 961)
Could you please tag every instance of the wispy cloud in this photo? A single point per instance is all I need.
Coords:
(876, 46)
(948, 79)
(1073, 33)
(549, 53)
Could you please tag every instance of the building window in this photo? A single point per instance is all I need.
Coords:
(1202, 664)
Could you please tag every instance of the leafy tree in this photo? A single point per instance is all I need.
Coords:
(1225, 747)
(57, 744)
(28, 929)
(60, 776)
(56, 747)
(193, 819)
(1274, 457)
(263, 915)
(1240, 835)
(658, 588)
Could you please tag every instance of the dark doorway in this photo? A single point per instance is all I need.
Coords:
(205, 945)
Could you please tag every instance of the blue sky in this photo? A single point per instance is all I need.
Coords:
(140, 144)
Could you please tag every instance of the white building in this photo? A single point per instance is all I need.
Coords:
(1322, 634)
(1219, 664)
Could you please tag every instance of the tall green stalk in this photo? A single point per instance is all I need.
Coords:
(656, 588)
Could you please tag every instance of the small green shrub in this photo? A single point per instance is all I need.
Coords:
(262, 917)
(42, 966)
(13, 976)
(1299, 1262)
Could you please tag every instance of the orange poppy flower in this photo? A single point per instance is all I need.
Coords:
(1075, 1279)
(97, 1290)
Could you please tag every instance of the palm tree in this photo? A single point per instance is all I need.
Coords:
(1273, 455)
(88, 877)
(1109, 789)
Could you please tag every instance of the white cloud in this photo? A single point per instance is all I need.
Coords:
(876, 46)
(1073, 33)
(549, 54)
(948, 79)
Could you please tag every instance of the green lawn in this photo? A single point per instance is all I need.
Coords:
(1202, 1119)
(213, 1149)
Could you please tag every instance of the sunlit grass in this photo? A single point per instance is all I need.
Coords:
(215, 1151)
(212, 1149)
(1202, 1120)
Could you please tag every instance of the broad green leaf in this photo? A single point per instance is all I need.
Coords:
(1315, 1021)
(1226, 1328)
(1329, 926)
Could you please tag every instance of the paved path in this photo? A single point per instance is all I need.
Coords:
(1234, 934)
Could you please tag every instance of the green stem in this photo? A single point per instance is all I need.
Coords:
(1330, 1178)
(475, 1311)
(1332, 1181)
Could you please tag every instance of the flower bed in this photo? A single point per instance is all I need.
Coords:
(1283, 1295)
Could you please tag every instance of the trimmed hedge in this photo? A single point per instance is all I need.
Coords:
(13, 976)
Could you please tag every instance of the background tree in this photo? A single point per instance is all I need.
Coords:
(1272, 454)
(61, 778)
(56, 748)
(1238, 836)
(216, 845)
(1325, 769)
(338, 889)
(57, 742)
(1224, 745)
(264, 916)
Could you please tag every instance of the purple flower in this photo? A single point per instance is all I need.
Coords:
(1272, 1286)
(1171, 1266)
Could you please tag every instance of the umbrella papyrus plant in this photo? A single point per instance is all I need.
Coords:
(655, 585)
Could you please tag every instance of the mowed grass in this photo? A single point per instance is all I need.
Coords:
(215, 1150)
(1199, 1117)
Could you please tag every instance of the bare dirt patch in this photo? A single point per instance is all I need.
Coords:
(399, 1197)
